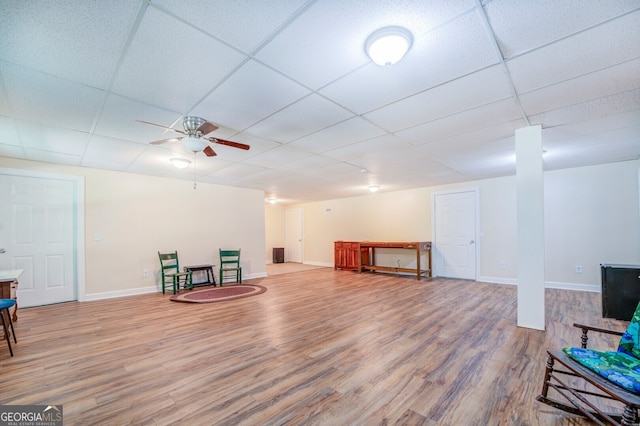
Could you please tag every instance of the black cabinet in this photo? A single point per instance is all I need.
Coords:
(278, 255)
(620, 290)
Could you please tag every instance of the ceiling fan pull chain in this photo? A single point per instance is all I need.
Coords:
(194, 172)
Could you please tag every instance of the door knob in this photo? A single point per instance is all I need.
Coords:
(471, 242)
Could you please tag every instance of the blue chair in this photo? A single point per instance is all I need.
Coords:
(5, 305)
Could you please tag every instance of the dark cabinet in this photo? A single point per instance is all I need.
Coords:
(278, 255)
(620, 290)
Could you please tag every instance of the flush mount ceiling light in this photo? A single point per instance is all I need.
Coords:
(374, 188)
(272, 200)
(179, 163)
(388, 45)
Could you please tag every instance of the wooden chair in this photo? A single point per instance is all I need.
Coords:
(170, 269)
(5, 304)
(230, 265)
(588, 380)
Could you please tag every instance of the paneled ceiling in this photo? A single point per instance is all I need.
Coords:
(291, 78)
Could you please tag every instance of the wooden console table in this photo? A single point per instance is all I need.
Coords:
(9, 288)
(360, 256)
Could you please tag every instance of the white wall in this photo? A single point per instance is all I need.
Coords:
(137, 216)
(591, 217)
(274, 216)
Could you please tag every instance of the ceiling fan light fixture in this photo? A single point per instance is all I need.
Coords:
(388, 45)
(194, 144)
(179, 163)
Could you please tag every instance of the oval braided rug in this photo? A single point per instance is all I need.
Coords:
(219, 294)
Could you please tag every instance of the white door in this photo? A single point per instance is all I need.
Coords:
(294, 248)
(37, 232)
(455, 234)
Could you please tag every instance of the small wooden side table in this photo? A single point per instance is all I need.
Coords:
(208, 269)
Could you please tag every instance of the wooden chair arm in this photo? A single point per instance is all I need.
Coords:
(587, 328)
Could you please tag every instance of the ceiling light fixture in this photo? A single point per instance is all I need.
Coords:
(272, 200)
(388, 45)
(194, 144)
(374, 188)
(179, 163)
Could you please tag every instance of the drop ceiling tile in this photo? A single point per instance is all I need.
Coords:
(477, 89)
(621, 145)
(479, 142)
(477, 155)
(249, 95)
(327, 40)
(119, 120)
(598, 48)
(41, 98)
(553, 19)
(599, 84)
(241, 23)
(52, 157)
(433, 59)
(181, 63)
(237, 171)
(4, 98)
(612, 121)
(366, 148)
(485, 166)
(277, 156)
(265, 175)
(341, 134)
(9, 132)
(504, 111)
(334, 172)
(11, 151)
(75, 40)
(52, 139)
(109, 153)
(590, 110)
(312, 162)
(300, 119)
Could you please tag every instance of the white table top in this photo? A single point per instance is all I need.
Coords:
(10, 274)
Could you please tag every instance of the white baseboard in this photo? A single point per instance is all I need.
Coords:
(498, 280)
(573, 286)
(121, 293)
(325, 264)
(548, 284)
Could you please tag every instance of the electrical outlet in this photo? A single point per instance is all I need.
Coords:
(145, 273)
(502, 265)
(578, 269)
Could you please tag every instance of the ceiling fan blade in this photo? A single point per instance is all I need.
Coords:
(209, 152)
(206, 128)
(230, 143)
(162, 127)
(165, 141)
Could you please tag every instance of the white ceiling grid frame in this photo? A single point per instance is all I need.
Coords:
(82, 69)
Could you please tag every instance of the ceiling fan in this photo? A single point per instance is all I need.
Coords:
(194, 139)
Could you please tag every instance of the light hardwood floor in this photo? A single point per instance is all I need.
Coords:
(320, 347)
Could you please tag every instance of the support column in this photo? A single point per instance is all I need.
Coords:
(530, 196)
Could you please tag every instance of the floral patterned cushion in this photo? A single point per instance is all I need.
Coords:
(630, 341)
(621, 367)
(618, 367)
